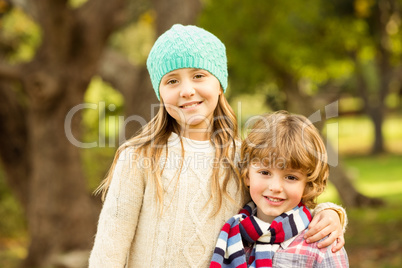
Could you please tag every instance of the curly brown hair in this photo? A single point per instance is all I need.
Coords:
(283, 140)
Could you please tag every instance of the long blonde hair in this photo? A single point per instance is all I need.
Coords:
(153, 138)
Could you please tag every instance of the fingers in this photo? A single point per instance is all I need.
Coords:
(318, 234)
(316, 226)
(329, 240)
(339, 244)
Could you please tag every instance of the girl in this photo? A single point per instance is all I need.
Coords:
(171, 187)
(284, 164)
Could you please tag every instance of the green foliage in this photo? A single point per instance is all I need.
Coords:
(355, 134)
(100, 124)
(264, 38)
(96, 163)
(315, 43)
(12, 223)
(371, 170)
(101, 121)
(76, 3)
(20, 36)
(136, 39)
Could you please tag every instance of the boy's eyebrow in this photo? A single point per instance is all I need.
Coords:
(296, 171)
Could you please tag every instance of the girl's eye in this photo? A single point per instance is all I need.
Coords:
(198, 76)
(172, 81)
(291, 178)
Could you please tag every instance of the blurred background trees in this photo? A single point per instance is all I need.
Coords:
(73, 85)
(315, 52)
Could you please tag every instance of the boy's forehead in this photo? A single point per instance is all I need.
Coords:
(274, 160)
(277, 164)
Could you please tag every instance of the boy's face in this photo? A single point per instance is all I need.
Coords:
(275, 191)
(191, 96)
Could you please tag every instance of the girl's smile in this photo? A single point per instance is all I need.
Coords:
(190, 105)
(190, 96)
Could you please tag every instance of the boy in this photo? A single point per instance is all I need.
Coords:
(284, 164)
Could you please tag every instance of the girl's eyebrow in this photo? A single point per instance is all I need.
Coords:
(195, 70)
(203, 70)
(168, 76)
(173, 73)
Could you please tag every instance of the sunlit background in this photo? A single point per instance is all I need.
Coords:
(302, 56)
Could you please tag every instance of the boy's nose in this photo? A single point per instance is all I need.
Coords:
(275, 185)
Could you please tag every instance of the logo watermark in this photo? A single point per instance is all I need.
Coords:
(330, 111)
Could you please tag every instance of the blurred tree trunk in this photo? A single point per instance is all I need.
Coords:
(384, 12)
(14, 152)
(185, 12)
(374, 107)
(133, 82)
(43, 167)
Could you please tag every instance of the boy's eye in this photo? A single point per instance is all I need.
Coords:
(291, 178)
(264, 172)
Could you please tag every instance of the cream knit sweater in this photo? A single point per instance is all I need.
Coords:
(131, 233)
(131, 230)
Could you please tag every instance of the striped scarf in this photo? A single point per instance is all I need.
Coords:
(265, 237)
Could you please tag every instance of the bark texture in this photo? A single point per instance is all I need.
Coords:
(43, 168)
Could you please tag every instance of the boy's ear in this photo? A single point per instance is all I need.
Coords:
(247, 180)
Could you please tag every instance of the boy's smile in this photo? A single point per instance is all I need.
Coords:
(275, 191)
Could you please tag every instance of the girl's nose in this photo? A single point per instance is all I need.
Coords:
(187, 89)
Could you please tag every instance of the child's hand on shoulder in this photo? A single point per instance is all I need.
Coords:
(326, 223)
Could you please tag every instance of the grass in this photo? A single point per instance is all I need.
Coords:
(374, 235)
(355, 134)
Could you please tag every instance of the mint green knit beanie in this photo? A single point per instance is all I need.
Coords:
(187, 47)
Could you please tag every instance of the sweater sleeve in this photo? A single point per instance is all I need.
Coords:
(119, 216)
(338, 209)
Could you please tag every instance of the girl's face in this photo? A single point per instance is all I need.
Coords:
(275, 191)
(190, 96)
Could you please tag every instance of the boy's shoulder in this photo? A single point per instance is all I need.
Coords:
(300, 245)
(303, 253)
